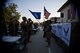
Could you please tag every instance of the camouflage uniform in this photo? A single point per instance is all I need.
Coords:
(24, 27)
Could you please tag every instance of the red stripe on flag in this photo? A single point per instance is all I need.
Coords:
(46, 13)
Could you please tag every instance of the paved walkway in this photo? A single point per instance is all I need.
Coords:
(38, 45)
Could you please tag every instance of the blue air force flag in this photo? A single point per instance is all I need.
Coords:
(37, 15)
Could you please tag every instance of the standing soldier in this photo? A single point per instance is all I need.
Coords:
(16, 27)
(24, 29)
(48, 32)
(13, 26)
(30, 22)
(45, 25)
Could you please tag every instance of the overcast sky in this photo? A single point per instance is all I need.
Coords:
(38, 6)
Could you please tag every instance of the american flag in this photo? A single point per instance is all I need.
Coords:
(46, 13)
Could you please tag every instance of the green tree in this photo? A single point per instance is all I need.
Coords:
(10, 12)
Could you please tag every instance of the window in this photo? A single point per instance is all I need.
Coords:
(68, 14)
(62, 15)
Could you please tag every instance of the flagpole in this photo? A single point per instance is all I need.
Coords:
(37, 20)
(43, 18)
(43, 12)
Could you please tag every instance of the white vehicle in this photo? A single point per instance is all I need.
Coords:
(35, 28)
(13, 42)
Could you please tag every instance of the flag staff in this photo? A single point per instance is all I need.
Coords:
(46, 13)
(37, 20)
(43, 12)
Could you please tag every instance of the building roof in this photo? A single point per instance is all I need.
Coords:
(63, 6)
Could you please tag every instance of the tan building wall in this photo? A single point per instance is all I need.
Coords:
(65, 12)
(65, 17)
